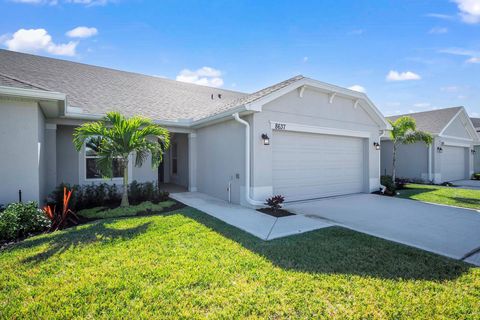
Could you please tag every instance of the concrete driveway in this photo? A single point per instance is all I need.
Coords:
(448, 231)
(468, 184)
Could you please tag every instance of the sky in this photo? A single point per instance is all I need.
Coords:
(407, 55)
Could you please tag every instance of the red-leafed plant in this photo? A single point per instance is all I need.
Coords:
(64, 217)
(275, 202)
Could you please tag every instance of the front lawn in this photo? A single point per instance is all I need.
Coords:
(442, 195)
(185, 264)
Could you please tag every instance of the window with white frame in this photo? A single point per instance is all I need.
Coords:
(91, 168)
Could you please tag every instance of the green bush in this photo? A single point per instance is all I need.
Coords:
(21, 219)
(387, 181)
(476, 176)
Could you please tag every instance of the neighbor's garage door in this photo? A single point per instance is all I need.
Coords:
(308, 166)
(453, 163)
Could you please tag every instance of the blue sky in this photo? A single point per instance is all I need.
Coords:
(408, 55)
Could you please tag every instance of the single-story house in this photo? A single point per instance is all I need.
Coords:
(300, 138)
(449, 158)
(476, 157)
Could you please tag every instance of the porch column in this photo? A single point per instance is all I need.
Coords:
(192, 162)
(51, 156)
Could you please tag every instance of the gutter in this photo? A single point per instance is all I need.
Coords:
(247, 161)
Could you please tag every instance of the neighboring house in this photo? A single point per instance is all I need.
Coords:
(449, 158)
(476, 157)
(321, 137)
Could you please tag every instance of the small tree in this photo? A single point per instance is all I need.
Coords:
(116, 137)
(405, 132)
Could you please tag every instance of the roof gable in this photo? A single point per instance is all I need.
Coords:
(431, 121)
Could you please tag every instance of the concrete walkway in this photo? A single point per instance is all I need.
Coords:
(448, 231)
(256, 223)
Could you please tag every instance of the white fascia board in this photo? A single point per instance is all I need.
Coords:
(296, 127)
(32, 93)
(225, 115)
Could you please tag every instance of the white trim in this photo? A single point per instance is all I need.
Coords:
(456, 138)
(472, 132)
(300, 91)
(356, 103)
(32, 93)
(331, 96)
(51, 126)
(282, 126)
(455, 144)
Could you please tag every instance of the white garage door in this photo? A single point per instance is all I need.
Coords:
(453, 163)
(308, 166)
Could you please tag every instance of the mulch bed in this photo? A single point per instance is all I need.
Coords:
(277, 213)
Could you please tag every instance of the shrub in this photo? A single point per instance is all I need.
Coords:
(21, 219)
(275, 202)
(476, 176)
(388, 183)
(64, 217)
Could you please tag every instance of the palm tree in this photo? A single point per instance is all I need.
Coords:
(404, 131)
(116, 137)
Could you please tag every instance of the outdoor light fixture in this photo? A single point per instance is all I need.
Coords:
(266, 139)
(473, 151)
(376, 145)
(439, 149)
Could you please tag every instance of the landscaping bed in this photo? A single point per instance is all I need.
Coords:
(142, 209)
(276, 213)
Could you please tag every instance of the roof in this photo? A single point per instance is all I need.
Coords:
(97, 90)
(431, 121)
(12, 82)
(476, 122)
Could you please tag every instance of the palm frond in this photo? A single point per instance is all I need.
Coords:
(417, 136)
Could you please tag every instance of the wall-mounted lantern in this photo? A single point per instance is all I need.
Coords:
(439, 149)
(266, 139)
(376, 145)
(473, 151)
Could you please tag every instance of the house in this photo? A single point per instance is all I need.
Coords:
(301, 138)
(476, 156)
(449, 158)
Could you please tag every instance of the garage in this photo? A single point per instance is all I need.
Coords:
(453, 163)
(310, 165)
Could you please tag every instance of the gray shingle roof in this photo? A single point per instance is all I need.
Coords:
(97, 90)
(12, 82)
(476, 122)
(431, 121)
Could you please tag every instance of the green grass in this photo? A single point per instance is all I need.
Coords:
(185, 264)
(451, 196)
(103, 212)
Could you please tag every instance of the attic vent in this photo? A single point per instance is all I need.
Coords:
(219, 96)
(212, 96)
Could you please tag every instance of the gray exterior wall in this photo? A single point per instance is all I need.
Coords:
(21, 156)
(313, 109)
(145, 173)
(67, 156)
(220, 159)
(411, 160)
(476, 166)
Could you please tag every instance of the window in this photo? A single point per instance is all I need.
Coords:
(174, 158)
(91, 169)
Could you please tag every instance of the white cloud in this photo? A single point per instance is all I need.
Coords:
(87, 3)
(438, 30)
(305, 59)
(358, 88)
(356, 32)
(473, 56)
(206, 76)
(402, 76)
(440, 16)
(450, 89)
(82, 32)
(35, 40)
(422, 105)
(473, 60)
(469, 10)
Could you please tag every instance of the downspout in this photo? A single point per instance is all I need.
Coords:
(247, 161)
(430, 162)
